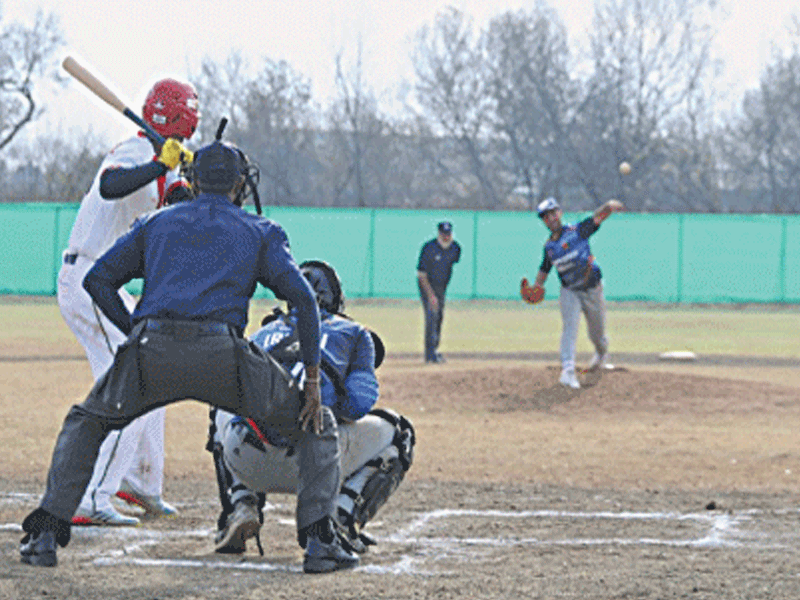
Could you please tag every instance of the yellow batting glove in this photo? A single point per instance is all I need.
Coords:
(173, 153)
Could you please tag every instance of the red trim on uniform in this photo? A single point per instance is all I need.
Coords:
(130, 499)
(161, 180)
(175, 184)
(257, 431)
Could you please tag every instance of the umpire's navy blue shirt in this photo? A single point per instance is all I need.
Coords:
(437, 263)
(200, 260)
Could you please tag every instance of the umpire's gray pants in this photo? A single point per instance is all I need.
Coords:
(592, 303)
(162, 362)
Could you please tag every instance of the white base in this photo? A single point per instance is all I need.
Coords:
(679, 355)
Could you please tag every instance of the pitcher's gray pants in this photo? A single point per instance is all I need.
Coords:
(163, 362)
(592, 303)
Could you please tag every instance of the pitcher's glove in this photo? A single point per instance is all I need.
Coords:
(532, 294)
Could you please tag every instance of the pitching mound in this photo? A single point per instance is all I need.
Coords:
(502, 388)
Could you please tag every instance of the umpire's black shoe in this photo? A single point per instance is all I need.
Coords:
(326, 558)
(324, 550)
(39, 549)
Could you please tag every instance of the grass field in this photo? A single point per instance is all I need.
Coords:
(498, 327)
(483, 326)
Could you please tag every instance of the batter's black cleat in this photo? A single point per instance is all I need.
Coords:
(39, 550)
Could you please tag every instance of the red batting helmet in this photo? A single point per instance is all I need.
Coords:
(171, 108)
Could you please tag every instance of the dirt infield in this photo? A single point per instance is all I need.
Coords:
(652, 481)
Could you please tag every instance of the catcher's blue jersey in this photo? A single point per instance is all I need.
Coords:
(572, 257)
(347, 347)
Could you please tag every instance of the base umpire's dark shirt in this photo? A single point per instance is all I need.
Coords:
(437, 263)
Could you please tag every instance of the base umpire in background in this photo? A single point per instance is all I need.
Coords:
(200, 261)
(434, 269)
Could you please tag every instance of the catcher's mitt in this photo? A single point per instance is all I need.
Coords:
(532, 294)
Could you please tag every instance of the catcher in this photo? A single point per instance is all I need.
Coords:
(568, 250)
(377, 446)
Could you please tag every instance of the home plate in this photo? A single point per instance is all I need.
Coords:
(679, 355)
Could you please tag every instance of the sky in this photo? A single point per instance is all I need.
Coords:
(130, 45)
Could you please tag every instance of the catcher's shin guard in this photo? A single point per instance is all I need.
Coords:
(224, 481)
(368, 489)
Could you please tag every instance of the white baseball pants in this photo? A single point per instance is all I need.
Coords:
(135, 453)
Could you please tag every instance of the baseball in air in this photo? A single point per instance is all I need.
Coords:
(624, 168)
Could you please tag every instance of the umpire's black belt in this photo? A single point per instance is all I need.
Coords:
(185, 329)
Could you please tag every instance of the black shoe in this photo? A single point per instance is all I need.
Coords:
(39, 550)
(326, 558)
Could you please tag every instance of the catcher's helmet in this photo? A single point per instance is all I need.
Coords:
(326, 284)
(171, 108)
(547, 205)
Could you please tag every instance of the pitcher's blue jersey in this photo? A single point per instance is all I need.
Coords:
(571, 256)
(347, 347)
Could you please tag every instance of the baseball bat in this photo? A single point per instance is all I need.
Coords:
(102, 91)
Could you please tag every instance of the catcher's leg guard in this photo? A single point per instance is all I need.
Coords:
(366, 490)
(224, 481)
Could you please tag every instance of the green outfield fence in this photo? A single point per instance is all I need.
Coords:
(691, 258)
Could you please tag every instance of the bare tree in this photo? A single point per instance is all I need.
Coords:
(279, 131)
(452, 90)
(351, 118)
(271, 117)
(690, 177)
(363, 145)
(762, 145)
(528, 68)
(26, 55)
(54, 168)
(650, 59)
(221, 89)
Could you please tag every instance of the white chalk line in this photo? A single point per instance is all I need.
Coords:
(720, 530)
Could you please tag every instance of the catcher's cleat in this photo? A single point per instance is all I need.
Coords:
(108, 516)
(39, 550)
(568, 379)
(367, 539)
(152, 505)
(242, 525)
